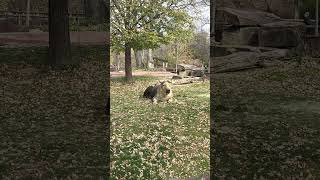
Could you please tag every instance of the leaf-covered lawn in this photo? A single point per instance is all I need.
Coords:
(268, 123)
(52, 123)
(158, 141)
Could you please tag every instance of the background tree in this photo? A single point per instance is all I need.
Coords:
(96, 10)
(59, 35)
(143, 24)
(4, 5)
(16, 5)
(200, 47)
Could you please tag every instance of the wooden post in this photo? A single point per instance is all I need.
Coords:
(317, 18)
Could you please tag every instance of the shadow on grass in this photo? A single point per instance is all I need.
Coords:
(39, 54)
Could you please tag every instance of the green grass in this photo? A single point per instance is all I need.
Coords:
(157, 141)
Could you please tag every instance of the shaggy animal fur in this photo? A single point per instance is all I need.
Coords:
(159, 92)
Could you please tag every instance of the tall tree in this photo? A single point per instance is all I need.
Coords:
(59, 35)
(141, 24)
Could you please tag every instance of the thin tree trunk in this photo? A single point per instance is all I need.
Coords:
(28, 14)
(149, 59)
(128, 67)
(143, 59)
(296, 9)
(59, 37)
(176, 50)
(140, 58)
(117, 60)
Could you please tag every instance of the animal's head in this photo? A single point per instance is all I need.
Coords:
(166, 86)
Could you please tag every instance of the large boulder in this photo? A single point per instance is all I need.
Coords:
(282, 34)
(242, 36)
(282, 8)
(246, 17)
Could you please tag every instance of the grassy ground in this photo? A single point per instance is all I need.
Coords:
(158, 141)
(52, 122)
(268, 123)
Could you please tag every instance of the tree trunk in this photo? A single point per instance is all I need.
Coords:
(140, 58)
(117, 60)
(128, 67)
(150, 64)
(176, 52)
(59, 37)
(28, 14)
(143, 62)
(137, 57)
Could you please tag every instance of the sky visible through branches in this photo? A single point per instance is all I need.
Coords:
(201, 13)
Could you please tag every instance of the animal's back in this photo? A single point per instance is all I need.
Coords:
(149, 92)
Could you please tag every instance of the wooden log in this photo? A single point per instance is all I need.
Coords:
(188, 80)
(234, 62)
